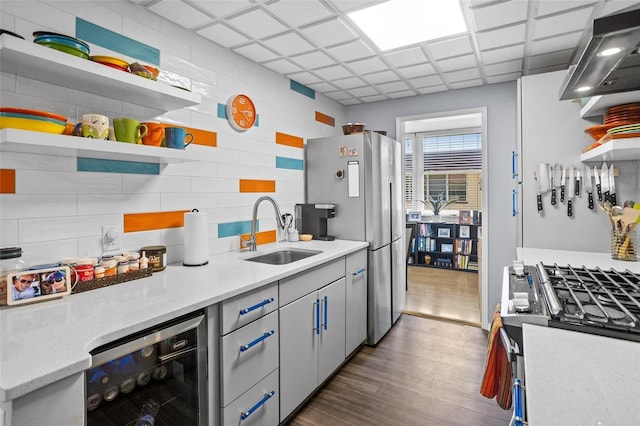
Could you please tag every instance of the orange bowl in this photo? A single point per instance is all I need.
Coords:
(306, 237)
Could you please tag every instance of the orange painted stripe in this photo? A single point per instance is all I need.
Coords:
(325, 119)
(294, 141)
(136, 222)
(247, 185)
(264, 237)
(7, 181)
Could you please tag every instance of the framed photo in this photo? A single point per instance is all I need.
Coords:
(38, 285)
(465, 231)
(446, 248)
(414, 216)
(444, 233)
(464, 216)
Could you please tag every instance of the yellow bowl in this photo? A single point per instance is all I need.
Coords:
(305, 237)
(31, 124)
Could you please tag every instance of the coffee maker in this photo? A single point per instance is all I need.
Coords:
(312, 219)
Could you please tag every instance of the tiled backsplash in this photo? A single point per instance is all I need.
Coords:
(55, 206)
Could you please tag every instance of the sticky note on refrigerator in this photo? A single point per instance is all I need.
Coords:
(353, 179)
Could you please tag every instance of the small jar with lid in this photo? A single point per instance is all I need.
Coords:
(10, 262)
(123, 267)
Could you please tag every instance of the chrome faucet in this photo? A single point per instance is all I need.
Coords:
(251, 242)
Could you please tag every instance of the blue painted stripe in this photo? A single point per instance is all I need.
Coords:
(289, 163)
(235, 228)
(222, 113)
(116, 166)
(95, 34)
(302, 89)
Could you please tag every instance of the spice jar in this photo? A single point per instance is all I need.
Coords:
(157, 257)
(10, 262)
(123, 267)
(84, 269)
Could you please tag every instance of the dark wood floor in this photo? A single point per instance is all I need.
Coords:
(423, 372)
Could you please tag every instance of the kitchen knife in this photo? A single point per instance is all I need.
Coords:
(612, 186)
(604, 181)
(570, 192)
(578, 179)
(562, 182)
(554, 174)
(541, 185)
(596, 178)
(587, 186)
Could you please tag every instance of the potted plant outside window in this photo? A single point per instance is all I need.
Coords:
(437, 203)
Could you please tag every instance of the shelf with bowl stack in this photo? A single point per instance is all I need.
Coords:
(598, 105)
(42, 63)
(618, 138)
(614, 150)
(30, 142)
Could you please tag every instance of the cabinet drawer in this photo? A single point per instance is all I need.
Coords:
(247, 307)
(262, 401)
(248, 355)
(295, 287)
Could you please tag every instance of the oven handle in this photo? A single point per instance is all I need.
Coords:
(511, 350)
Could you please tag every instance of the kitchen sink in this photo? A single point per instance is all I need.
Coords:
(282, 257)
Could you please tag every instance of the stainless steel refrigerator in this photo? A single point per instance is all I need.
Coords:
(362, 175)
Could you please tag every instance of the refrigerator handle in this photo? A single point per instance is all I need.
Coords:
(514, 196)
(514, 173)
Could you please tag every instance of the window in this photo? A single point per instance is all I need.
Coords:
(408, 173)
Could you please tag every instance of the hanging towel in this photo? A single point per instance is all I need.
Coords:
(497, 376)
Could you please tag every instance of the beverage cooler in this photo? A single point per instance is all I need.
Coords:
(155, 376)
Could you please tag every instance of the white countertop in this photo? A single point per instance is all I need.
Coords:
(575, 378)
(45, 342)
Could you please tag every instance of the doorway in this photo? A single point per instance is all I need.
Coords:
(444, 156)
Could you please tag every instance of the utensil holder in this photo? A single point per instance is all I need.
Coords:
(624, 245)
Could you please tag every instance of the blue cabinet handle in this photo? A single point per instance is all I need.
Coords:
(258, 340)
(518, 403)
(513, 165)
(359, 272)
(513, 203)
(256, 306)
(325, 312)
(316, 306)
(259, 404)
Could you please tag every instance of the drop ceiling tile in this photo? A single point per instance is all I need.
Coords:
(550, 59)
(394, 86)
(288, 44)
(465, 84)
(297, 13)
(448, 48)
(350, 101)
(502, 54)
(180, 13)
(374, 98)
(418, 70)
(499, 14)
(402, 94)
(381, 77)
(337, 95)
(504, 67)
(550, 7)
(313, 60)
(430, 80)
(349, 83)
(411, 56)
(350, 51)
(560, 24)
(351, 5)
(282, 66)
(458, 63)
(503, 78)
(612, 7)
(256, 24)
(222, 8)
(329, 33)
(367, 65)
(552, 44)
(463, 75)
(333, 73)
(222, 35)
(322, 87)
(364, 91)
(432, 89)
(256, 53)
(304, 77)
(501, 37)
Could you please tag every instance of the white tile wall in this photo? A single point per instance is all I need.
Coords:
(58, 212)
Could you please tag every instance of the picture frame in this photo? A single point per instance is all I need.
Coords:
(414, 216)
(446, 248)
(465, 231)
(38, 285)
(444, 233)
(464, 216)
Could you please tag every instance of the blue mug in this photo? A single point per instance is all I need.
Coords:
(176, 137)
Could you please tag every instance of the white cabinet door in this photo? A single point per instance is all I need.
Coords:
(356, 301)
(298, 351)
(332, 328)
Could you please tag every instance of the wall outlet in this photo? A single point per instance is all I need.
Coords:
(110, 237)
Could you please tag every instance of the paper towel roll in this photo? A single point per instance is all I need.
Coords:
(196, 239)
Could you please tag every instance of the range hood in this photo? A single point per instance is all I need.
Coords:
(600, 74)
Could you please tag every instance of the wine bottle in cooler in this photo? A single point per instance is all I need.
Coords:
(148, 413)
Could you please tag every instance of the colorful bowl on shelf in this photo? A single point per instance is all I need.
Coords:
(36, 125)
(64, 48)
(110, 60)
(65, 41)
(32, 117)
(33, 112)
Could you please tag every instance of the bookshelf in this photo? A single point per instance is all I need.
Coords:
(444, 245)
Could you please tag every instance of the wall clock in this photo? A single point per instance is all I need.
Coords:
(241, 112)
